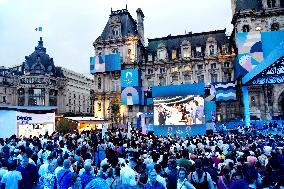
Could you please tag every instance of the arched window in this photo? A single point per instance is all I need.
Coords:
(245, 28)
(211, 50)
(99, 83)
(275, 27)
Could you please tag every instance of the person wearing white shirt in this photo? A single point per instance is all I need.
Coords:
(128, 175)
(11, 179)
(43, 169)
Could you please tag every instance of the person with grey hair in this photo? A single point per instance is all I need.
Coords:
(48, 180)
(86, 177)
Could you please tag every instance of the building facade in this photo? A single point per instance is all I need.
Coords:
(266, 101)
(171, 60)
(78, 93)
(7, 88)
(38, 82)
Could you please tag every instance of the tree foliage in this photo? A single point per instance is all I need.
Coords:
(115, 110)
(65, 126)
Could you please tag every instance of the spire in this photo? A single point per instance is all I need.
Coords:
(40, 45)
(126, 7)
(40, 42)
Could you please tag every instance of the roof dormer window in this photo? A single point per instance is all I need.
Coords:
(115, 31)
(185, 49)
(211, 50)
(245, 28)
(161, 52)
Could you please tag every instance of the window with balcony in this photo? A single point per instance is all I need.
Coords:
(200, 79)
(226, 64)
(200, 67)
(227, 77)
(214, 77)
(213, 66)
(187, 79)
(162, 80)
(174, 79)
(162, 70)
(150, 71)
(224, 49)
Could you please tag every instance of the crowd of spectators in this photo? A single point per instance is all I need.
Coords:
(119, 160)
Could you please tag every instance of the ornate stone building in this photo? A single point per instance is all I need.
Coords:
(38, 82)
(78, 93)
(172, 60)
(124, 35)
(266, 101)
(7, 87)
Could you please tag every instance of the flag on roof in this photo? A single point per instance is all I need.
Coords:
(38, 29)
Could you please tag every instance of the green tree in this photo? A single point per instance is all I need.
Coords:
(65, 126)
(115, 110)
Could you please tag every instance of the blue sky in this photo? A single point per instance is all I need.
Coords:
(71, 26)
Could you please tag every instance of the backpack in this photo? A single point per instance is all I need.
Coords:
(200, 185)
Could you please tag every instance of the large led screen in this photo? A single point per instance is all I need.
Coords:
(179, 110)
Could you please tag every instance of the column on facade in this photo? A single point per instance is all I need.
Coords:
(26, 96)
(246, 105)
(46, 97)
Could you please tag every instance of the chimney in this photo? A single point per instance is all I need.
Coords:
(140, 24)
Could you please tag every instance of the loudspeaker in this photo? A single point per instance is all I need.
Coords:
(209, 132)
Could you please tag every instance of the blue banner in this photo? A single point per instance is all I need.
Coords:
(178, 90)
(105, 63)
(130, 78)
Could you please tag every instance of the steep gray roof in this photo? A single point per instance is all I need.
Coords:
(128, 24)
(248, 4)
(196, 40)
